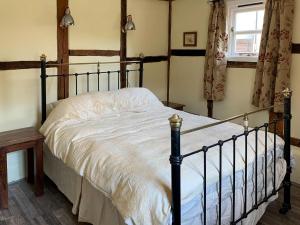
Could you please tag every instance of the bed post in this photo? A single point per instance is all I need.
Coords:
(175, 160)
(43, 86)
(287, 151)
(141, 78)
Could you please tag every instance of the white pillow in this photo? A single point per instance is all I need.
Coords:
(95, 104)
(135, 98)
(51, 106)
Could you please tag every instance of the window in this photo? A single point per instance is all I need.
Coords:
(245, 23)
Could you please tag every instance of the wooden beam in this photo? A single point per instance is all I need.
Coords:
(62, 51)
(82, 52)
(296, 48)
(169, 50)
(210, 108)
(123, 43)
(295, 142)
(20, 65)
(149, 59)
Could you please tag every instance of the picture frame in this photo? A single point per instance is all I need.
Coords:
(190, 39)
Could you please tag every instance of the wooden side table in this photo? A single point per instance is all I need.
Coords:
(15, 140)
(173, 105)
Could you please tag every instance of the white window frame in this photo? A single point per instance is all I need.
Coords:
(232, 10)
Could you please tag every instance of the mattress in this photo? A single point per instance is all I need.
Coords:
(119, 143)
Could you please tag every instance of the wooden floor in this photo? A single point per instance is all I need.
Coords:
(54, 209)
(272, 217)
(26, 209)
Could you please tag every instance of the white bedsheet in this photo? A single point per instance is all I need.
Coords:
(123, 151)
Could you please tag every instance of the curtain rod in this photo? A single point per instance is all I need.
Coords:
(250, 4)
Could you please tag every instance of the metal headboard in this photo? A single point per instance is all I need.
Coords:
(44, 77)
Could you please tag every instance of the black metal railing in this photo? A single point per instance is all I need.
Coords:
(88, 75)
(177, 158)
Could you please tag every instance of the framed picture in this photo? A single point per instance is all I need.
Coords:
(190, 39)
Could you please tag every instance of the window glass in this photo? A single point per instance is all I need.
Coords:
(245, 21)
(260, 19)
(246, 24)
(244, 43)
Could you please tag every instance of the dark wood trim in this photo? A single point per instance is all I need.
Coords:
(62, 51)
(169, 49)
(174, 105)
(295, 142)
(149, 59)
(20, 65)
(296, 48)
(82, 52)
(210, 108)
(123, 42)
(237, 64)
(188, 52)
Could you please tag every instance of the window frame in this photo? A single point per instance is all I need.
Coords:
(232, 10)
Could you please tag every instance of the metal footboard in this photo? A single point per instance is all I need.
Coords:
(176, 159)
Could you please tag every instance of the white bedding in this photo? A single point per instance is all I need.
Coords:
(120, 142)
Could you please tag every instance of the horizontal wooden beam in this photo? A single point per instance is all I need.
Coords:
(295, 142)
(150, 59)
(188, 52)
(87, 52)
(296, 48)
(19, 65)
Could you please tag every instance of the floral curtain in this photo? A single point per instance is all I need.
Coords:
(215, 62)
(273, 67)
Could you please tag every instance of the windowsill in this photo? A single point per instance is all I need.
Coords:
(242, 59)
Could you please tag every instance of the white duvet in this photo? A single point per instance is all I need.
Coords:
(120, 142)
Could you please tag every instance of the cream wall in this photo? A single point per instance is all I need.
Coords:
(187, 72)
(28, 29)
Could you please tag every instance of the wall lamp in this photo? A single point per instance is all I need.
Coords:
(67, 19)
(129, 24)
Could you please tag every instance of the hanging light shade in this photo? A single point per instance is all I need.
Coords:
(129, 25)
(67, 20)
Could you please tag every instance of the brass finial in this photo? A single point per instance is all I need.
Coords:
(141, 55)
(175, 121)
(287, 93)
(43, 57)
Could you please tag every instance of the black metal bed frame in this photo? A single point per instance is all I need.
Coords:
(177, 158)
(44, 77)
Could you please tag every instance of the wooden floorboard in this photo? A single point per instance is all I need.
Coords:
(54, 209)
(25, 209)
(273, 217)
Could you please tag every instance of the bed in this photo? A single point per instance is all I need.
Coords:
(108, 152)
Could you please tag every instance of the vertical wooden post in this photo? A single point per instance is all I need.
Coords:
(62, 51)
(169, 50)
(175, 160)
(210, 108)
(123, 43)
(287, 151)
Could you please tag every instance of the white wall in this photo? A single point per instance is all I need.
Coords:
(28, 29)
(187, 72)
